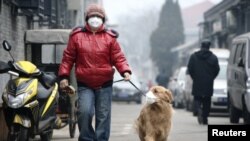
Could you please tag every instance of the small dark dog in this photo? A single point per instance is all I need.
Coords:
(155, 120)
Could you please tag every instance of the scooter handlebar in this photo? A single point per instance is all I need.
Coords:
(13, 73)
(4, 67)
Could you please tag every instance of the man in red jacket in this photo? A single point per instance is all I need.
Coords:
(94, 51)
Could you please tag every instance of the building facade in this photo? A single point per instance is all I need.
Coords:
(17, 16)
(225, 21)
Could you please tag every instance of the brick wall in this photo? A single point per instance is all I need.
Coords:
(12, 28)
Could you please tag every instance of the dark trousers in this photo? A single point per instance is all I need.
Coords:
(202, 103)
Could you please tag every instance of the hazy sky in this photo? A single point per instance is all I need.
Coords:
(118, 7)
(186, 3)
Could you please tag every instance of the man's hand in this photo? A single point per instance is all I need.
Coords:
(127, 76)
(64, 83)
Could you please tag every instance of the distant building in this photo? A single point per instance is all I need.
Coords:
(226, 20)
(192, 16)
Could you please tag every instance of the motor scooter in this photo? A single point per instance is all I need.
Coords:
(29, 100)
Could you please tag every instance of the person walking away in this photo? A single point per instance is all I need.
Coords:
(94, 51)
(162, 78)
(203, 68)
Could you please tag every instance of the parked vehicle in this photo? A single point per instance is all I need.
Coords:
(219, 99)
(238, 79)
(179, 88)
(125, 91)
(188, 97)
(44, 47)
(223, 55)
(29, 100)
(172, 84)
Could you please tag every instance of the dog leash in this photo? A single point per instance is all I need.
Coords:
(118, 80)
(140, 91)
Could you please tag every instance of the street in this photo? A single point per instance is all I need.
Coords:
(191, 45)
(185, 125)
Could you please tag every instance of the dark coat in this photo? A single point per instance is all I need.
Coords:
(162, 79)
(203, 68)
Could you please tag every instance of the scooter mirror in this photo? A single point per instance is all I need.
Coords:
(6, 45)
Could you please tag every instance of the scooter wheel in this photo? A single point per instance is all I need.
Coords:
(19, 133)
(47, 136)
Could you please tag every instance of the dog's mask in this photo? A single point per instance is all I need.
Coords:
(162, 94)
(150, 98)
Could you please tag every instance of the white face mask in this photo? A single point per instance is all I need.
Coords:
(150, 98)
(95, 22)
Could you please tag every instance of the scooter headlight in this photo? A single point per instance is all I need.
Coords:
(17, 101)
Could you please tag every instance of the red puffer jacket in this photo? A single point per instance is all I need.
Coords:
(94, 55)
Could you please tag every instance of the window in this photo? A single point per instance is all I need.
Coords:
(48, 54)
(52, 53)
(243, 53)
(237, 53)
(59, 52)
(232, 54)
(223, 72)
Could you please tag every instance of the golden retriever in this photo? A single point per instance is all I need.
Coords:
(155, 120)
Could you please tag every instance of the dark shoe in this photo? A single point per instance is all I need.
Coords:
(205, 121)
(200, 119)
(195, 113)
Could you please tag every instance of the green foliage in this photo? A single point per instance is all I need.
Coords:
(169, 34)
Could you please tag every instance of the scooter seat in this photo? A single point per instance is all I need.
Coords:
(43, 93)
